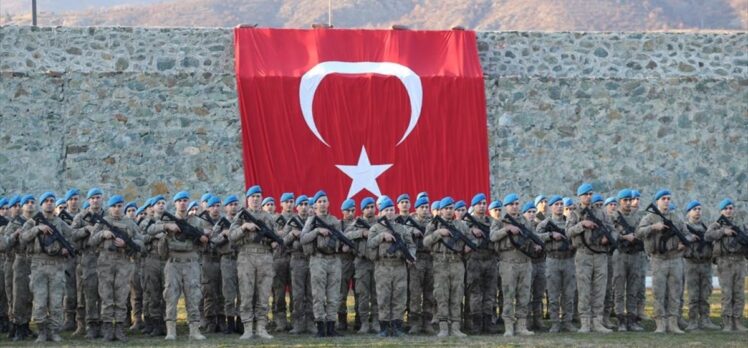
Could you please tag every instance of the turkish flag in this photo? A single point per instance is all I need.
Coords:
(362, 112)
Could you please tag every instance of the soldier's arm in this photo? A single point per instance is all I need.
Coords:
(288, 236)
(412, 247)
(644, 230)
(353, 232)
(97, 236)
(574, 225)
(607, 220)
(714, 232)
(498, 231)
(431, 237)
(376, 237)
(541, 231)
(80, 230)
(135, 234)
(235, 231)
(308, 234)
(29, 231)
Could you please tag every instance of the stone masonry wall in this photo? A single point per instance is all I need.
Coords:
(144, 111)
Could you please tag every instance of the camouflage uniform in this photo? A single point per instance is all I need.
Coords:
(210, 271)
(282, 278)
(154, 306)
(628, 265)
(591, 262)
(89, 304)
(731, 271)
(560, 274)
(20, 308)
(229, 281)
(324, 269)
(421, 284)
(347, 271)
(390, 272)
(482, 270)
(301, 288)
(698, 262)
(366, 286)
(255, 272)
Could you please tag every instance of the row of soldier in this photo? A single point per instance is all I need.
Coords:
(440, 264)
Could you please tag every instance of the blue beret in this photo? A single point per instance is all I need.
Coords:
(214, 200)
(85, 205)
(268, 200)
(71, 192)
(477, 199)
(380, 198)
(44, 197)
(318, 195)
(538, 199)
(181, 195)
(299, 200)
(116, 199)
(436, 205)
(725, 203)
(661, 193)
(445, 202)
(286, 196)
(253, 190)
(625, 194)
(58, 202)
(611, 200)
(421, 201)
(348, 204)
(230, 199)
(3, 202)
(635, 193)
(422, 194)
(527, 206)
(691, 205)
(597, 198)
(157, 198)
(132, 204)
(460, 204)
(94, 192)
(568, 202)
(403, 197)
(584, 188)
(206, 197)
(553, 199)
(365, 202)
(141, 210)
(510, 198)
(16, 199)
(386, 203)
(193, 204)
(495, 205)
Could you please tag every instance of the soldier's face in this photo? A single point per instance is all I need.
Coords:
(160, 206)
(131, 212)
(349, 213)
(287, 206)
(635, 203)
(368, 211)
(95, 202)
(663, 204)
(557, 208)
(302, 207)
(254, 201)
(389, 213)
(460, 212)
(728, 210)
(231, 208)
(480, 208)
(322, 205)
(611, 207)
(30, 207)
(13, 211)
(59, 208)
(598, 205)
(404, 205)
(695, 213)
(214, 210)
(530, 214)
(542, 205)
(73, 202)
(586, 198)
(448, 212)
(181, 204)
(423, 210)
(512, 208)
(116, 210)
(269, 207)
(624, 204)
(496, 213)
(3, 211)
(48, 206)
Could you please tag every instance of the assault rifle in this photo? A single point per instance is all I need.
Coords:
(454, 233)
(56, 236)
(473, 222)
(399, 243)
(551, 227)
(263, 230)
(130, 246)
(187, 231)
(296, 223)
(3, 221)
(601, 231)
(627, 229)
(280, 220)
(672, 230)
(740, 236)
(525, 235)
(65, 216)
(701, 235)
(336, 235)
(409, 221)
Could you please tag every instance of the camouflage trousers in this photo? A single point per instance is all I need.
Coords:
(347, 271)
(153, 287)
(210, 282)
(731, 273)
(667, 286)
(89, 305)
(48, 288)
(8, 283)
(392, 288)
(366, 289)
(421, 283)
(281, 282)
(561, 283)
(537, 288)
(481, 283)
(182, 276)
(325, 279)
(699, 285)
(301, 288)
(229, 285)
(21, 292)
(515, 284)
(449, 281)
(627, 270)
(255, 274)
(592, 278)
(3, 294)
(136, 288)
(71, 286)
(114, 271)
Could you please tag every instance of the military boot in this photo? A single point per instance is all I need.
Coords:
(521, 328)
(42, 337)
(119, 332)
(597, 325)
(738, 324)
(585, 325)
(508, 327)
(159, 328)
(147, 326)
(555, 327)
(706, 323)
(537, 323)
(262, 332)
(476, 324)
(693, 324)
(672, 325)
(416, 323)
(428, 327)
(456, 330)
(331, 332)
(321, 329)
(384, 329)
(107, 332)
(375, 325)
(247, 331)
(230, 326)
(443, 329)
(489, 324)
(12, 330)
(239, 325)
(397, 328)
(661, 325)
(364, 325)
(633, 323)
(54, 335)
(298, 327)
(137, 324)
(195, 332)
(69, 323)
(171, 330)
(343, 321)
(568, 326)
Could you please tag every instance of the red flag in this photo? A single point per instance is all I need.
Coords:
(362, 112)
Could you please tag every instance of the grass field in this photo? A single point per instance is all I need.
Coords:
(646, 339)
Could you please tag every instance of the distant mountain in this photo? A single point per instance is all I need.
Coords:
(525, 15)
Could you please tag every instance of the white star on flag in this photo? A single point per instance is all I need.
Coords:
(364, 175)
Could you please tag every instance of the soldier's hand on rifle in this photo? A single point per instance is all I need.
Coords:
(537, 248)
(296, 233)
(90, 228)
(729, 232)
(203, 239)
(388, 236)
(476, 232)
(171, 227)
(107, 234)
(249, 226)
(659, 226)
(45, 229)
(589, 224)
(274, 245)
(443, 232)
(693, 238)
(119, 242)
(557, 236)
(346, 248)
(365, 233)
(467, 249)
(64, 252)
(629, 237)
(604, 240)
(417, 233)
(513, 229)
(681, 246)
(323, 231)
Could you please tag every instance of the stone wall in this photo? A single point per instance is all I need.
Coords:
(144, 111)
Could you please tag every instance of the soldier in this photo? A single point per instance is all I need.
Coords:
(47, 267)
(4, 321)
(421, 281)
(72, 198)
(300, 279)
(154, 306)
(88, 285)
(21, 271)
(390, 267)
(481, 268)
(449, 270)
(609, 207)
(730, 254)
(348, 208)
(324, 266)
(537, 279)
(182, 271)
(115, 267)
(698, 271)
(643, 275)
(514, 265)
(591, 259)
(494, 210)
(135, 308)
(254, 263)
(435, 208)
(268, 205)
(281, 264)
(228, 271)
(559, 272)
(204, 199)
(627, 261)
(541, 204)
(666, 252)
(460, 209)
(210, 268)
(364, 268)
